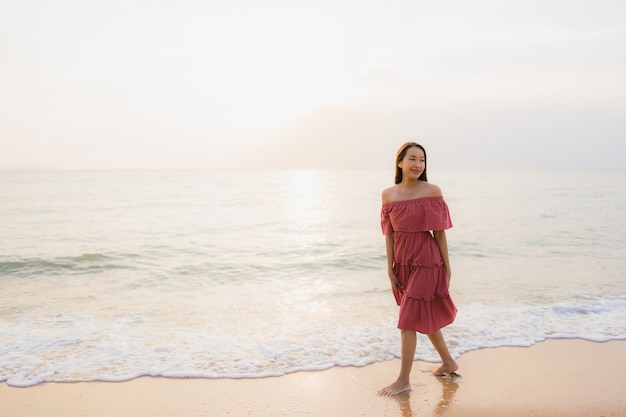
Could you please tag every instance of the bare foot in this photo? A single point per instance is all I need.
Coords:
(446, 368)
(396, 388)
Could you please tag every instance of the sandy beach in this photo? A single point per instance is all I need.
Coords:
(554, 378)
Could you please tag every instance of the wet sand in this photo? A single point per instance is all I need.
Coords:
(556, 378)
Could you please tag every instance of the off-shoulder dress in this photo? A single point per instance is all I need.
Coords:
(425, 302)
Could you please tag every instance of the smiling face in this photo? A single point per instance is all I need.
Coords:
(411, 163)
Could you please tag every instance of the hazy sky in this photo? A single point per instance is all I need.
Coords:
(312, 84)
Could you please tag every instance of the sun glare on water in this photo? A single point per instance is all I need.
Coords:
(306, 199)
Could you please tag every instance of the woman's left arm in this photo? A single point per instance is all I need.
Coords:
(442, 243)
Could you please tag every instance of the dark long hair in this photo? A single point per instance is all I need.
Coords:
(400, 156)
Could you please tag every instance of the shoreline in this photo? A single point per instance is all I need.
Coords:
(556, 378)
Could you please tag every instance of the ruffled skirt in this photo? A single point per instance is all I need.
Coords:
(425, 302)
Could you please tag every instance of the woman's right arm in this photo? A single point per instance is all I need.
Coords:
(395, 284)
(392, 276)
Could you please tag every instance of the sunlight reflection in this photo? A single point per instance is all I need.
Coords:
(308, 203)
(305, 192)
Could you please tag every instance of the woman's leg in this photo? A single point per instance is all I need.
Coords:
(403, 384)
(449, 364)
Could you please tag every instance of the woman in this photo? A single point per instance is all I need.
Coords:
(417, 261)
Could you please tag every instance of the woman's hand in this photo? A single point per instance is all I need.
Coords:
(448, 276)
(395, 284)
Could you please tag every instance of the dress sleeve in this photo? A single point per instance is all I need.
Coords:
(438, 217)
(385, 221)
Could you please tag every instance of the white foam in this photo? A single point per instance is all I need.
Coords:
(81, 349)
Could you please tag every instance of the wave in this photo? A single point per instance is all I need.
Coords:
(87, 263)
(214, 267)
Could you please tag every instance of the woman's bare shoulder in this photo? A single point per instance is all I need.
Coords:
(389, 194)
(433, 190)
(425, 189)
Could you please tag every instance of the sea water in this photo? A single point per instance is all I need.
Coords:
(110, 275)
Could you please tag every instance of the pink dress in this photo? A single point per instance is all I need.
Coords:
(425, 303)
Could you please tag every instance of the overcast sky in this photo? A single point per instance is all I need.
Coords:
(312, 84)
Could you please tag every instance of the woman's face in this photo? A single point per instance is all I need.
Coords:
(413, 163)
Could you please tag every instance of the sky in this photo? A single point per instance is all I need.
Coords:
(267, 84)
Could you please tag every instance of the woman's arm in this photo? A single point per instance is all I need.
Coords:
(442, 243)
(392, 277)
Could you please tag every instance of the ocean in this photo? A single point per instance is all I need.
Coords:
(111, 275)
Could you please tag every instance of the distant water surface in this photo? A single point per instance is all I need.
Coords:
(109, 275)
